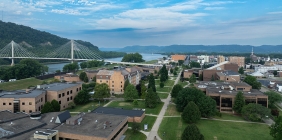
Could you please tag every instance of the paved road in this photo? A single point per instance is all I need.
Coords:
(154, 130)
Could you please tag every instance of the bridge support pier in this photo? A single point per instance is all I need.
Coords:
(13, 62)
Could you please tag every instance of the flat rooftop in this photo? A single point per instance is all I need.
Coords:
(59, 86)
(252, 92)
(22, 94)
(89, 127)
(119, 111)
(7, 116)
(18, 127)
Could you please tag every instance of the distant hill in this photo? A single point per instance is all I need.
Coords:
(203, 48)
(41, 42)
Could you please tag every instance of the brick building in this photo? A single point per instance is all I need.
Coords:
(187, 73)
(240, 61)
(178, 57)
(220, 59)
(116, 78)
(228, 76)
(224, 94)
(68, 77)
(23, 100)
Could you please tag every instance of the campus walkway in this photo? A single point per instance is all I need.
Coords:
(154, 130)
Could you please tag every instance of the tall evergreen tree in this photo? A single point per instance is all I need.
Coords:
(192, 79)
(152, 99)
(152, 82)
(191, 113)
(239, 102)
(56, 106)
(191, 132)
(143, 90)
(175, 90)
(47, 107)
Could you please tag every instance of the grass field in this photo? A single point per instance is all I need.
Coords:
(171, 111)
(184, 83)
(89, 106)
(229, 117)
(150, 120)
(20, 84)
(163, 95)
(141, 104)
(167, 83)
(134, 136)
(164, 89)
(215, 129)
(150, 62)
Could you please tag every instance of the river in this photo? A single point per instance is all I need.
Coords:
(145, 56)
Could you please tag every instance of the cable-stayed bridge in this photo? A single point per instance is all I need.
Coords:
(71, 51)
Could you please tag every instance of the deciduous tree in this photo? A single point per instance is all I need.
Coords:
(255, 112)
(101, 91)
(82, 97)
(251, 80)
(276, 129)
(175, 90)
(192, 79)
(47, 107)
(273, 97)
(130, 93)
(152, 99)
(241, 70)
(126, 83)
(82, 75)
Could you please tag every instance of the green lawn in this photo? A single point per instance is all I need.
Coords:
(215, 129)
(171, 111)
(164, 89)
(141, 104)
(226, 116)
(167, 83)
(184, 83)
(163, 95)
(20, 84)
(150, 120)
(150, 62)
(89, 106)
(134, 136)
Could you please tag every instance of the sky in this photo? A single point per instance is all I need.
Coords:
(120, 23)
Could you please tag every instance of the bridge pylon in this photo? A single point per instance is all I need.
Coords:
(13, 53)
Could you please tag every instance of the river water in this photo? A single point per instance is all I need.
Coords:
(146, 57)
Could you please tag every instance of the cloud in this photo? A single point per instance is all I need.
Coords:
(276, 12)
(214, 8)
(69, 11)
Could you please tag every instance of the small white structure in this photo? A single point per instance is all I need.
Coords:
(279, 86)
(257, 74)
(2, 81)
(11, 80)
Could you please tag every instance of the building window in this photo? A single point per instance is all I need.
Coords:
(121, 82)
(68, 93)
(106, 81)
(23, 103)
(121, 86)
(41, 99)
(68, 99)
(23, 111)
(30, 103)
(4, 103)
(100, 81)
(121, 90)
(112, 89)
(112, 81)
(59, 102)
(64, 106)
(71, 92)
(76, 89)
(79, 88)
(71, 97)
(59, 95)
(30, 111)
(63, 94)
(112, 85)
(10, 103)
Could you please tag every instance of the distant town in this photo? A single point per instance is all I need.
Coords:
(165, 99)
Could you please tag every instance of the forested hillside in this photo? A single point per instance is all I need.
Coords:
(40, 42)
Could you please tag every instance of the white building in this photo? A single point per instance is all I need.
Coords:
(264, 69)
(205, 58)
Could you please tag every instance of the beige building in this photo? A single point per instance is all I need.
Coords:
(224, 94)
(220, 59)
(188, 73)
(64, 93)
(22, 100)
(68, 77)
(91, 74)
(116, 78)
(240, 61)
(228, 76)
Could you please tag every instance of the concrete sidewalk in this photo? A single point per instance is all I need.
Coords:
(154, 131)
